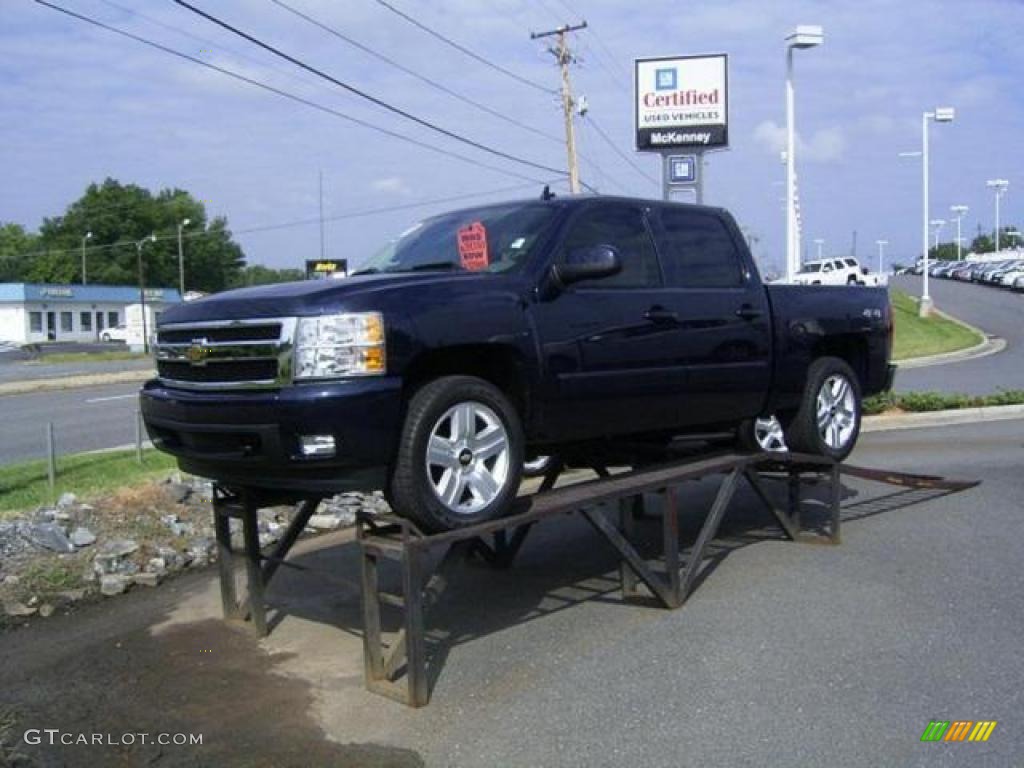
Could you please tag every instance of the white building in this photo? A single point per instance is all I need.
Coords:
(32, 313)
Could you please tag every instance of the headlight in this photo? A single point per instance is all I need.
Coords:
(333, 346)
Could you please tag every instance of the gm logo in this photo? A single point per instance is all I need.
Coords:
(958, 730)
(665, 79)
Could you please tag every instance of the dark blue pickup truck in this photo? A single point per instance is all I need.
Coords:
(484, 337)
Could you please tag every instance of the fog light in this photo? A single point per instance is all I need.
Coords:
(316, 445)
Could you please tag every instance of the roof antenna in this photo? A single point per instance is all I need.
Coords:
(547, 194)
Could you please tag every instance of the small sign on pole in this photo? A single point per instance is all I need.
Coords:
(682, 169)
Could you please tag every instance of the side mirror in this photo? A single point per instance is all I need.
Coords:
(588, 264)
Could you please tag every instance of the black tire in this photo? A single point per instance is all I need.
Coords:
(852, 280)
(802, 432)
(410, 488)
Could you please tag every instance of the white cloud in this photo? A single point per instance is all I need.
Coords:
(826, 145)
(391, 185)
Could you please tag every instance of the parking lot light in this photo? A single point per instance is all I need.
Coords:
(999, 186)
(803, 37)
(959, 211)
(881, 253)
(86, 237)
(940, 115)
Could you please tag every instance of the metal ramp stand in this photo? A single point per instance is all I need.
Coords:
(497, 542)
(259, 567)
(668, 579)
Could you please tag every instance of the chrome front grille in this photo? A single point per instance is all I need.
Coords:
(229, 354)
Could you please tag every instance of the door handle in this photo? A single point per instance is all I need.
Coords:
(661, 316)
(747, 312)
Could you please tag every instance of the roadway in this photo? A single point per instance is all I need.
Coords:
(84, 419)
(786, 654)
(994, 310)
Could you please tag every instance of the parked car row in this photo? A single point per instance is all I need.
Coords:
(1008, 273)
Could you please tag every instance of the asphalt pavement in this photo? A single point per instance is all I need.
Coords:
(84, 419)
(787, 654)
(994, 310)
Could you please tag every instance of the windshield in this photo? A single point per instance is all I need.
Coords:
(493, 239)
(806, 268)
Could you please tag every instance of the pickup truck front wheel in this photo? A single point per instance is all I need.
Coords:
(460, 459)
(828, 420)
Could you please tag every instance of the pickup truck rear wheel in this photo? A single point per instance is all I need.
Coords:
(460, 459)
(828, 420)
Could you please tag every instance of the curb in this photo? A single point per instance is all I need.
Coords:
(990, 346)
(884, 423)
(73, 382)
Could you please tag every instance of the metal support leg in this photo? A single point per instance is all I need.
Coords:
(794, 498)
(415, 645)
(373, 658)
(225, 563)
(627, 517)
(670, 539)
(708, 531)
(254, 569)
(835, 493)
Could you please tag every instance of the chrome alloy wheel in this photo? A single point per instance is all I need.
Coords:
(769, 435)
(468, 457)
(837, 412)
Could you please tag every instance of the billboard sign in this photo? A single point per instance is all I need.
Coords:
(682, 101)
(323, 269)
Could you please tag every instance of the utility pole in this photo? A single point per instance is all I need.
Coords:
(564, 59)
(323, 254)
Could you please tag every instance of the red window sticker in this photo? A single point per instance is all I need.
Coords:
(473, 246)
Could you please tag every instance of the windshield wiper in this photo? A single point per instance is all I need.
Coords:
(367, 271)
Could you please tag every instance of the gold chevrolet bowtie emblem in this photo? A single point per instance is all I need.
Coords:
(196, 354)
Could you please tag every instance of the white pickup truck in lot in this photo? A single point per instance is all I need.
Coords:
(836, 271)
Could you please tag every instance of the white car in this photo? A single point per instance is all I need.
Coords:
(837, 271)
(115, 333)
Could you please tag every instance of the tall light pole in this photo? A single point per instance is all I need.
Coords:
(937, 225)
(181, 258)
(86, 237)
(999, 185)
(142, 289)
(818, 241)
(940, 115)
(804, 36)
(959, 211)
(881, 252)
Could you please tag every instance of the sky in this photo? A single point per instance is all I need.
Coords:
(79, 104)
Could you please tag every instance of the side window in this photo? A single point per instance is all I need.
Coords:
(623, 228)
(852, 263)
(827, 267)
(698, 251)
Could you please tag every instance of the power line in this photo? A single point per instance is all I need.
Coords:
(207, 41)
(297, 222)
(600, 132)
(420, 25)
(367, 96)
(291, 96)
(413, 73)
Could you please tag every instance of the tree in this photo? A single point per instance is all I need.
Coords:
(256, 274)
(119, 215)
(15, 242)
(985, 243)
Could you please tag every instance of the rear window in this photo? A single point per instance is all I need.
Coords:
(697, 250)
